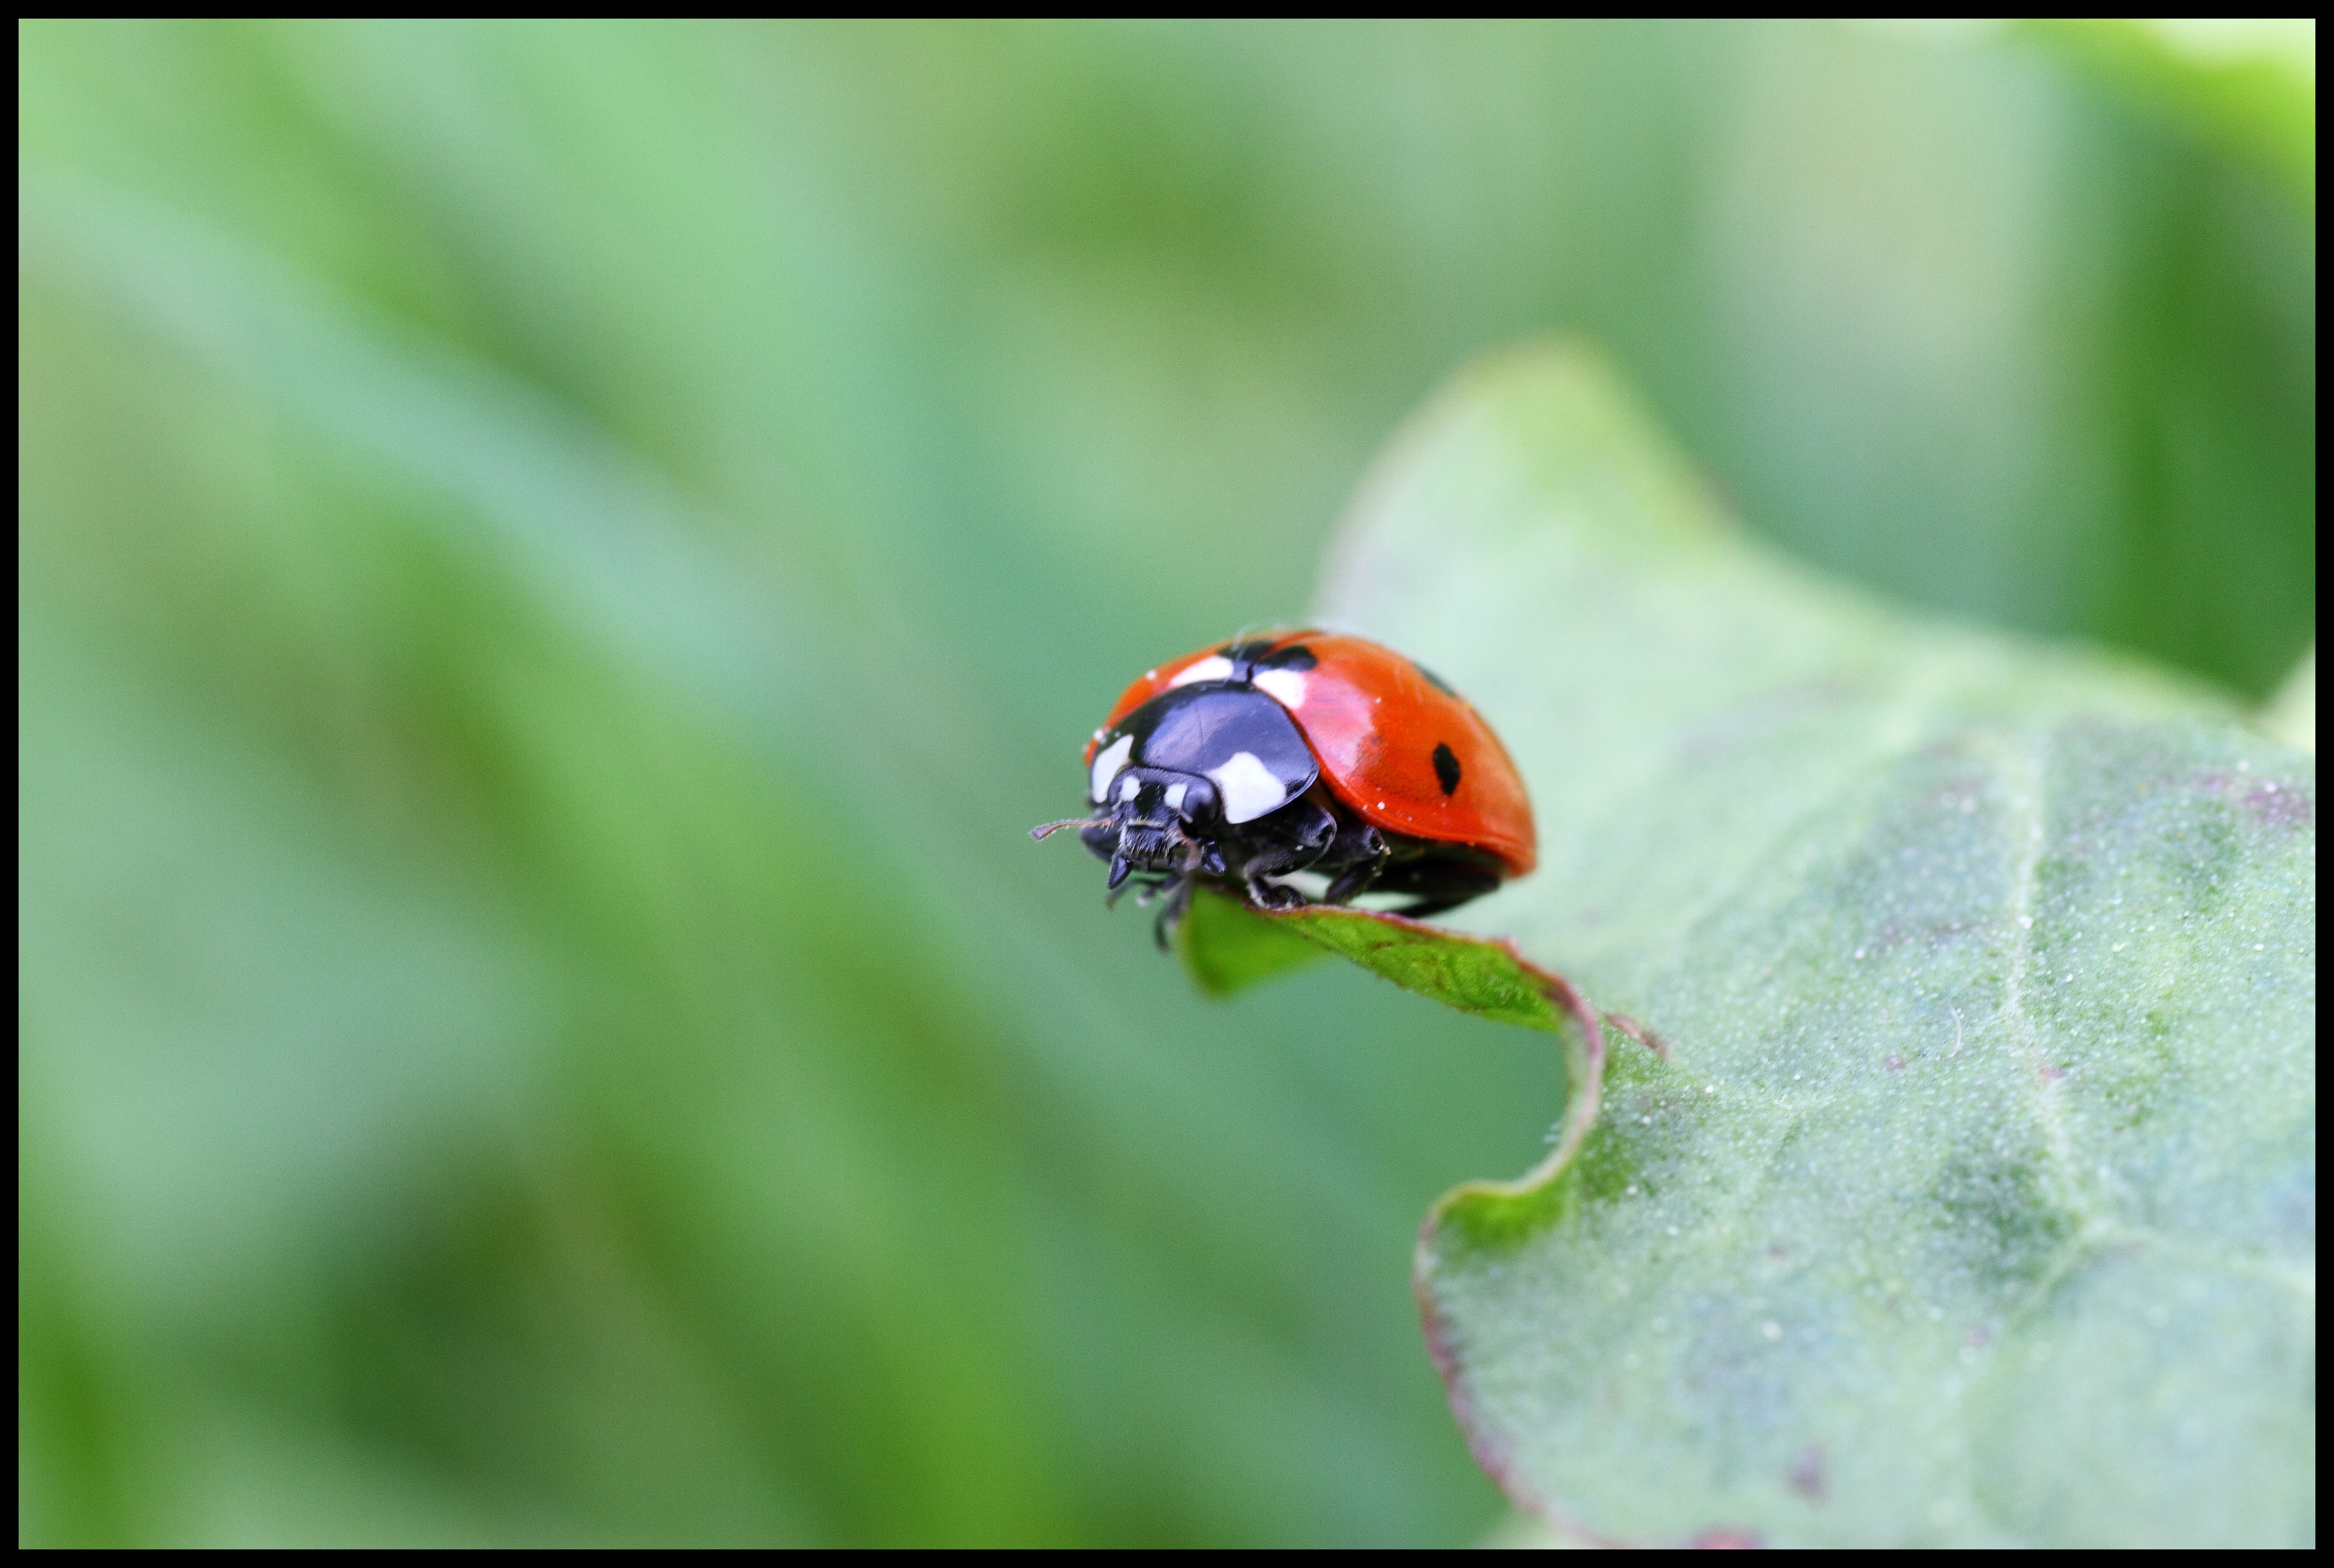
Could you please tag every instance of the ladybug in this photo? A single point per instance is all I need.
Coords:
(1302, 767)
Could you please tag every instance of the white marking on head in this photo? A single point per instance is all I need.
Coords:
(1106, 764)
(1247, 788)
(1215, 667)
(1175, 794)
(1285, 686)
(1128, 791)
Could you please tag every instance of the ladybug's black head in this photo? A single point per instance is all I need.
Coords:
(1182, 785)
(1158, 820)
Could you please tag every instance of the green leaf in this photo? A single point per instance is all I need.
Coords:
(1972, 1200)
(1228, 946)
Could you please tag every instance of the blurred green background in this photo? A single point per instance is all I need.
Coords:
(557, 562)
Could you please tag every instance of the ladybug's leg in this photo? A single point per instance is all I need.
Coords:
(1364, 852)
(1302, 833)
(1352, 882)
(1178, 889)
(1171, 913)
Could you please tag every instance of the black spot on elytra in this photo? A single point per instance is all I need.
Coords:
(1434, 680)
(1247, 653)
(1446, 766)
(1295, 656)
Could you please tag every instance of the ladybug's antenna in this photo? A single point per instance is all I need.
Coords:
(1042, 829)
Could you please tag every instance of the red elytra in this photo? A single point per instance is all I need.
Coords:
(1374, 721)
